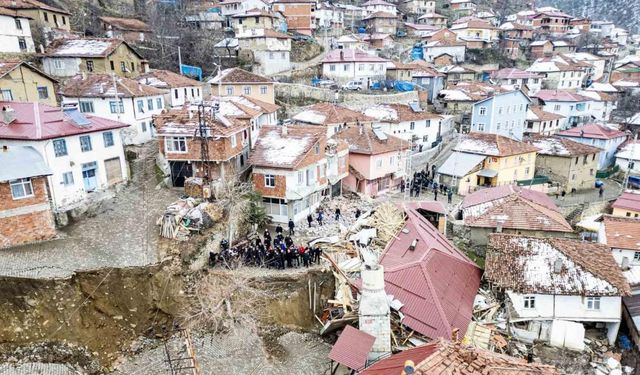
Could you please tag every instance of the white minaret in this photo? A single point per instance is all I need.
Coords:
(374, 310)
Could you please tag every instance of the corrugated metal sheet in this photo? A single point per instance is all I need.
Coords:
(460, 163)
(395, 364)
(352, 348)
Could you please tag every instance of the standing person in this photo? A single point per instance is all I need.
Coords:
(305, 256)
(418, 188)
(309, 220)
(357, 213)
(267, 236)
(320, 218)
(318, 253)
(601, 191)
(337, 213)
(291, 227)
(435, 194)
(449, 195)
(402, 187)
(278, 229)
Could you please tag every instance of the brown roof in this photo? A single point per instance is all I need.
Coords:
(330, 114)
(446, 357)
(237, 75)
(10, 13)
(381, 15)
(266, 107)
(557, 146)
(30, 4)
(628, 200)
(277, 150)
(526, 265)
(622, 232)
(86, 47)
(493, 145)
(101, 86)
(516, 212)
(166, 79)
(398, 112)
(543, 115)
(352, 348)
(362, 140)
(184, 122)
(7, 66)
(126, 24)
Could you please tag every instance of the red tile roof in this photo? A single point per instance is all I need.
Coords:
(36, 121)
(277, 150)
(166, 79)
(126, 24)
(628, 201)
(596, 131)
(436, 282)
(237, 75)
(85, 47)
(483, 196)
(362, 140)
(560, 96)
(513, 73)
(350, 55)
(492, 145)
(352, 348)
(101, 86)
(562, 147)
(542, 115)
(622, 232)
(330, 114)
(446, 357)
(30, 4)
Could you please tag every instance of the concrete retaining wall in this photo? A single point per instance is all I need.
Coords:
(356, 100)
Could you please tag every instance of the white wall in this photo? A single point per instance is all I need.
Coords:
(140, 130)
(272, 62)
(458, 52)
(61, 66)
(65, 197)
(191, 94)
(421, 129)
(573, 308)
(345, 71)
(9, 35)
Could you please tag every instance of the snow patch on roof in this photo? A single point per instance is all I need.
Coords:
(381, 113)
(283, 151)
(311, 117)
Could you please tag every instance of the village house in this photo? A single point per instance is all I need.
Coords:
(69, 57)
(482, 160)
(329, 16)
(433, 19)
(25, 211)
(511, 209)
(602, 104)
(270, 50)
(377, 161)
(475, 30)
(381, 23)
(553, 22)
(378, 41)
(294, 167)
(421, 129)
(342, 65)
(419, 30)
(599, 136)
(516, 31)
(580, 24)
(456, 74)
(627, 205)
(84, 153)
(229, 8)
(570, 164)
(435, 50)
(352, 41)
(39, 14)
(374, 6)
(201, 16)
(22, 82)
(398, 71)
(628, 157)
(602, 28)
(503, 113)
(540, 48)
(179, 89)
(518, 78)
(629, 71)
(419, 6)
(559, 73)
(447, 357)
(575, 108)
(420, 258)
(129, 29)
(595, 65)
(458, 99)
(552, 279)
(299, 14)
(333, 117)
(236, 81)
(119, 99)
(542, 122)
(15, 33)
(462, 8)
(352, 14)
(253, 19)
(428, 79)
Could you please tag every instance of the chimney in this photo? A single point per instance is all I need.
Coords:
(413, 245)
(374, 312)
(5, 148)
(41, 48)
(8, 114)
(625, 264)
(557, 266)
(341, 55)
(101, 88)
(285, 131)
(499, 227)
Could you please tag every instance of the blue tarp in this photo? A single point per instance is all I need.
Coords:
(403, 86)
(191, 71)
(417, 53)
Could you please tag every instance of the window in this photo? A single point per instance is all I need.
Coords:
(140, 106)
(67, 178)
(116, 107)
(361, 67)
(85, 143)
(636, 255)
(46, 16)
(379, 163)
(175, 93)
(123, 66)
(283, 55)
(21, 188)
(233, 141)
(43, 92)
(332, 67)
(271, 55)
(499, 110)
(60, 147)
(159, 103)
(556, 107)
(425, 138)
(480, 127)
(133, 66)
(18, 24)
(269, 180)
(55, 19)
(529, 302)
(345, 67)
(193, 92)
(263, 90)
(89, 65)
(176, 144)
(86, 107)
(482, 111)
(143, 126)
(22, 43)
(392, 160)
(300, 178)
(428, 123)
(412, 125)
(247, 90)
(311, 176)
(111, 65)
(229, 90)
(316, 148)
(57, 64)
(593, 303)
(64, 20)
(7, 95)
(150, 104)
(108, 139)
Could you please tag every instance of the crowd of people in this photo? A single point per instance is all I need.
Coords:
(424, 182)
(279, 252)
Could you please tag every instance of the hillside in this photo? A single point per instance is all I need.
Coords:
(623, 13)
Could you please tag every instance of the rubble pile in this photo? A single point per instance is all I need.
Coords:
(330, 226)
(188, 215)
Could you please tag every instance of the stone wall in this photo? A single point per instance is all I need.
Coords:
(352, 99)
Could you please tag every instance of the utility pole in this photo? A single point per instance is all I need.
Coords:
(204, 133)
(115, 95)
(179, 60)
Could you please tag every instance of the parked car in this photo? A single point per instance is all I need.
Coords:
(325, 84)
(353, 86)
(301, 37)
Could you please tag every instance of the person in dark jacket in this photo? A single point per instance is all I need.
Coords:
(357, 213)
(291, 227)
(278, 229)
(320, 217)
(449, 195)
(309, 220)
(337, 213)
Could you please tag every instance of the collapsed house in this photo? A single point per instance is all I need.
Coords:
(555, 287)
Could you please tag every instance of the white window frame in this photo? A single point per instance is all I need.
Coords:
(67, 178)
(169, 144)
(234, 141)
(270, 181)
(529, 302)
(482, 111)
(593, 303)
(23, 183)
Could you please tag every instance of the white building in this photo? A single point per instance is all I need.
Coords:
(15, 33)
(328, 16)
(422, 129)
(437, 48)
(270, 49)
(179, 89)
(135, 104)
(344, 65)
(551, 279)
(559, 73)
(628, 158)
(518, 78)
(85, 153)
(602, 28)
(374, 6)
(576, 109)
(230, 8)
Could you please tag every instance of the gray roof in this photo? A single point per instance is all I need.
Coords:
(21, 162)
(459, 164)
